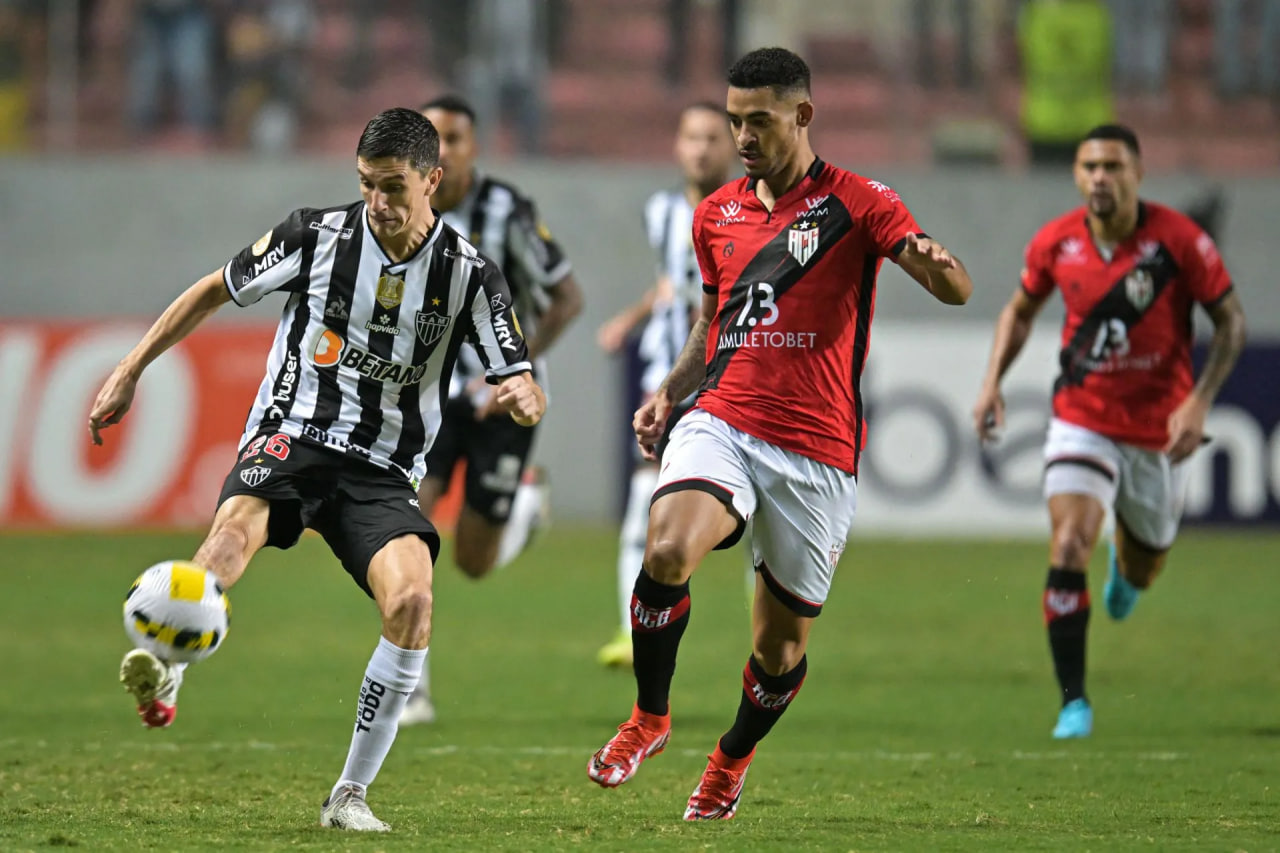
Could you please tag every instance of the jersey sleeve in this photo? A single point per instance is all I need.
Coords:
(273, 262)
(706, 264)
(536, 256)
(495, 330)
(1205, 274)
(888, 220)
(1035, 278)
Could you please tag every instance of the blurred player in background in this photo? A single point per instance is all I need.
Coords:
(704, 150)
(502, 501)
(381, 295)
(789, 257)
(1126, 414)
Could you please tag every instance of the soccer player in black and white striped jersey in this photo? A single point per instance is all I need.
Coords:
(706, 154)
(501, 502)
(381, 296)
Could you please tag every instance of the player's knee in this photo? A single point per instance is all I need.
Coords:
(666, 560)
(778, 658)
(1072, 546)
(475, 558)
(406, 616)
(474, 564)
(1141, 569)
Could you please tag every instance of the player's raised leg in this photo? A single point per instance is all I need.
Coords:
(685, 524)
(1148, 511)
(399, 575)
(1076, 521)
(239, 530)
(530, 513)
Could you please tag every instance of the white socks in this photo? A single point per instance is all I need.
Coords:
(635, 527)
(526, 513)
(390, 678)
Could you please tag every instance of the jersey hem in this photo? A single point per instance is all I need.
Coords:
(775, 439)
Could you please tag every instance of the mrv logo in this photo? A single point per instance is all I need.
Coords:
(269, 260)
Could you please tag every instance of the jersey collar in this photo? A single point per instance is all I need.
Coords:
(814, 172)
(422, 247)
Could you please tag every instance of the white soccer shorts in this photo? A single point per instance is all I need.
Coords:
(801, 509)
(1143, 487)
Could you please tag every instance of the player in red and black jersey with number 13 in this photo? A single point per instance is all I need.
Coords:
(789, 257)
(1126, 410)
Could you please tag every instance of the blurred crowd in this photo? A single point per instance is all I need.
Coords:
(250, 74)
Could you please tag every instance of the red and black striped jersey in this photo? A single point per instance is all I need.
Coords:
(796, 291)
(1125, 362)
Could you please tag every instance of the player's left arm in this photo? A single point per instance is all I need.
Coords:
(896, 235)
(1186, 424)
(542, 264)
(938, 271)
(495, 330)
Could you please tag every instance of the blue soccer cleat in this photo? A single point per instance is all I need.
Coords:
(1120, 595)
(1075, 720)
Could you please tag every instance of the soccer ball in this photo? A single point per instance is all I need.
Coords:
(177, 611)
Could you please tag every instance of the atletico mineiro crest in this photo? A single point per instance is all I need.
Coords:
(802, 241)
(1140, 288)
(430, 326)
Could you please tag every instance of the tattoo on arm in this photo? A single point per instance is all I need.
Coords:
(691, 367)
(1228, 341)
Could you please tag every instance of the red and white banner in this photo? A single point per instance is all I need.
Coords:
(163, 466)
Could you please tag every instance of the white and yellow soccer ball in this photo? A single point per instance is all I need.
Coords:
(177, 611)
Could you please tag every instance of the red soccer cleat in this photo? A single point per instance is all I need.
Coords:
(638, 738)
(720, 789)
(154, 686)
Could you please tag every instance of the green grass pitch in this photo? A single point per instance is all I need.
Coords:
(924, 723)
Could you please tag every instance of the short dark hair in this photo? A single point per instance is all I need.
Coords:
(775, 67)
(450, 103)
(1117, 132)
(403, 134)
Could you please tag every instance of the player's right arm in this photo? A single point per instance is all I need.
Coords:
(1012, 330)
(690, 369)
(272, 263)
(182, 316)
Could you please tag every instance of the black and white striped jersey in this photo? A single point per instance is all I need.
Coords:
(363, 340)
(668, 219)
(505, 226)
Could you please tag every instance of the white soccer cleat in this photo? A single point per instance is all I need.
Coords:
(154, 685)
(418, 711)
(348, 810)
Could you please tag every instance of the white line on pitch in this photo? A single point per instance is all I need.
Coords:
(574, 751)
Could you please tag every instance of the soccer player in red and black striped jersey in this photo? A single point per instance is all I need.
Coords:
(789, 256)
(1126, 410)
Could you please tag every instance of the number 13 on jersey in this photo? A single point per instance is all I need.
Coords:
(759, 298)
